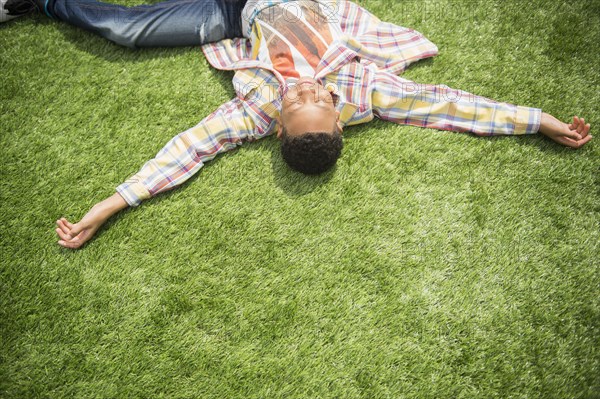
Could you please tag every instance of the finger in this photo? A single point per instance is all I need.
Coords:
(581, 125)
(584, 141)
(574, 143)
(586, 130)
(67, 223)
(575, 121)
(61, 225)
(73, 242)
(70, 245)
(63, 236)
(76, 229)
(572, 134)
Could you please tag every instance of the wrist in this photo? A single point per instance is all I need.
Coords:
(550, 126)
(544, 120)
(113, 204)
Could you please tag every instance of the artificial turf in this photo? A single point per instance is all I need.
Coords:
(428, 265)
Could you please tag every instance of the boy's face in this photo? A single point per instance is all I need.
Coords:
(308, 107)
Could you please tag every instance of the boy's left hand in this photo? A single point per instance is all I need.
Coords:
(573, 135)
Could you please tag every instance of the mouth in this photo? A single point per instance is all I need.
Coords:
(306, 81)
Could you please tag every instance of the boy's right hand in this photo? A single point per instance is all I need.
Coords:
(73, 236)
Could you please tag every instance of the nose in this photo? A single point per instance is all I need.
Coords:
(307, 90)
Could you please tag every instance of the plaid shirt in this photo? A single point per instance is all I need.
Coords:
(361, 70)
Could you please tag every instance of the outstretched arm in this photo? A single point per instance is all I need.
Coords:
(439, 107)
(181, 158)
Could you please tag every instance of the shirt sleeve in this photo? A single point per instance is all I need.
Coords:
(439, 107)
(187, 152)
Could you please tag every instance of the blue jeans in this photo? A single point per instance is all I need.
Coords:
(169, 23)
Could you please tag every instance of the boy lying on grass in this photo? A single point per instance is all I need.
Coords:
(305, 69)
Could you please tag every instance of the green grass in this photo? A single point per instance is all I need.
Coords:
(427, 265)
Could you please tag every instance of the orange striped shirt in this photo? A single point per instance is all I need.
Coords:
(293, 37)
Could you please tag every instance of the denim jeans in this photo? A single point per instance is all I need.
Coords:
(169, 23)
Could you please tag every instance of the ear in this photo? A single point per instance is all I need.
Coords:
(338, 123)
(279, 128)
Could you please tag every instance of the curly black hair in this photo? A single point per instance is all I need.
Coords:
(311, 153)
